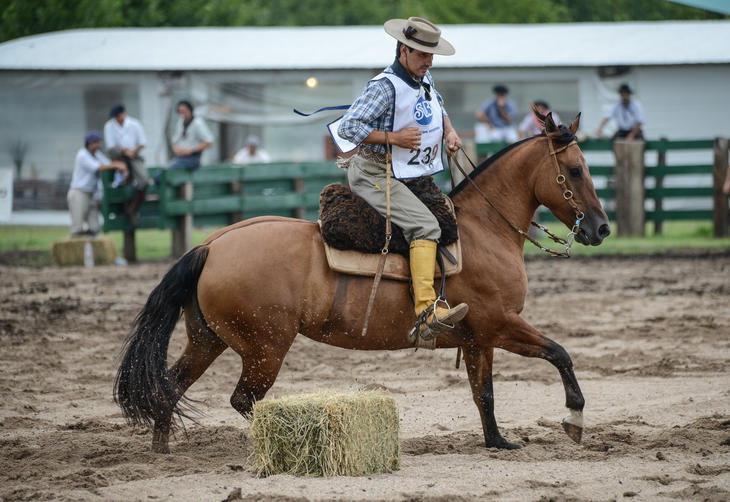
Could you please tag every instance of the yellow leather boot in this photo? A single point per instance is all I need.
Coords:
(423, 266)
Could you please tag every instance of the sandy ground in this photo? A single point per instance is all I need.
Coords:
(650, 339)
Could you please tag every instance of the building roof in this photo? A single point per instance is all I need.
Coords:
(367, 47)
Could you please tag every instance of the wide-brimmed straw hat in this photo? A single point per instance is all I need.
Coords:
(419, 33)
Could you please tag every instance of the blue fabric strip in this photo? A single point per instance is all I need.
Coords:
(326, 108)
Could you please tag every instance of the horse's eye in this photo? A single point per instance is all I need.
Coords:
(575, 172)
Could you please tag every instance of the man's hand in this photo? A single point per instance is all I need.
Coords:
(121, 167)
(409, 138)
(181, 152)
(453, 142)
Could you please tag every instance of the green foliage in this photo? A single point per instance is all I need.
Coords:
(20, 18)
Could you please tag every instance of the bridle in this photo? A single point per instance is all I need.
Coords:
(568, 195)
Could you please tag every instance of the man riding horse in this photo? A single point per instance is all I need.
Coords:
(400, 109)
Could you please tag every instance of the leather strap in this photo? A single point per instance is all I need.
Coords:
(388, 235)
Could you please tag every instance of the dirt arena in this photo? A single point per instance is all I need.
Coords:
(650, 338)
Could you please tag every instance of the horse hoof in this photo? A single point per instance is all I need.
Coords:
(160, 448)
(502, 444)
(573, 425)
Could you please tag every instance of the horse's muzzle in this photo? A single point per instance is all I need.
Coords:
(593, 237)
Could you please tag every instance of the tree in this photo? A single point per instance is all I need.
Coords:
(27, 17)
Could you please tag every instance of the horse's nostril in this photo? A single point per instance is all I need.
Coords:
(604, 231)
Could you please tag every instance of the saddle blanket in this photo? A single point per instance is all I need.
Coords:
(354, 232)
(348, 222)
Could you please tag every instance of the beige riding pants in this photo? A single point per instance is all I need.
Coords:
(83, 209)
(367, 179)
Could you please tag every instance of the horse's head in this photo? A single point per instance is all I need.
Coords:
(564, 184)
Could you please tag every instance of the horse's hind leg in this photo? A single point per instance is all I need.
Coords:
(479, 367)
(521, 338)
(202, 349)
(261, 360)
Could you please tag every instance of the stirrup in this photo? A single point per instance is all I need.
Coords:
(424, 332)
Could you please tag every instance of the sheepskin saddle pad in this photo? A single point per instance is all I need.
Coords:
(354, 232)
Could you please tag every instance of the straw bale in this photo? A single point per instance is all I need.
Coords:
(71, 251)
(326, 434)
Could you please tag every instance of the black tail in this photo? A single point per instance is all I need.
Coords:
(142, 387)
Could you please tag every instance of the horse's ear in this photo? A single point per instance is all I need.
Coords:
(540, 116)
(575, 124)
(550, 123)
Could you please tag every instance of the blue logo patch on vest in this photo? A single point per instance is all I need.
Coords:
(422, 112)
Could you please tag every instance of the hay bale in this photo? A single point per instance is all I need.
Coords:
(71, 251)
(326, 434)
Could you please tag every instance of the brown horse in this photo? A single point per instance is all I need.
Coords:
(255, 285)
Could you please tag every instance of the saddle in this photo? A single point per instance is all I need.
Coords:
(354, 232)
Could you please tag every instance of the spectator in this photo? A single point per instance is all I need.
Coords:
(124, 139)
(628, 115)
(498, 115)
(190, 139)
(251, 153)
(530, 125)
(81, 204)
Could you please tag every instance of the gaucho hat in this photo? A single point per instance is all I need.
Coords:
(419, 33)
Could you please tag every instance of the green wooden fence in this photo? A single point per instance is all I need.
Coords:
(218, 195)
(223, 194)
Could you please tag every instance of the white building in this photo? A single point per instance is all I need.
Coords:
(56, 86)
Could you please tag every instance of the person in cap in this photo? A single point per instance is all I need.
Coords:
(497, 116)
(401, 108)
(89, 162)
(252, 153)
(124, 139)
(190, 138)
(628, 115)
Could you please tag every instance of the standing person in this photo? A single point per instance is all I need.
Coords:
(251, 153)
(190, 139)
(530, 125)
(628, 115)
(498, 115)
(401, 108)
(81, 204)
(124, 139)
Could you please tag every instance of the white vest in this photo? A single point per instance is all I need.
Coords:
(413, 110)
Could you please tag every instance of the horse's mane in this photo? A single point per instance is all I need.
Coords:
(562, 136)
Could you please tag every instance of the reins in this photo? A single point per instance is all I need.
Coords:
(568, 195)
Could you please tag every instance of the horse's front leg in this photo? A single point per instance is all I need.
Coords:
(521, 338)
(479, 367)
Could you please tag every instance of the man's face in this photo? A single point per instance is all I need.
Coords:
(416, 62)
(121, 117)
(625, 97)
(184, 112)
(94, 146)
(501, 98)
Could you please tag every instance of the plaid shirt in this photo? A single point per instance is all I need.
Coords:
(373, 109)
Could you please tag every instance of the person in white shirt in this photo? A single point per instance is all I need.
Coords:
(124, 139)
(530, 125)
(628, 115)
(82, 206)
(251, 153)
(190, 138)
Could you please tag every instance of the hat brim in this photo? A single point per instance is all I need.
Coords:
(395, 28)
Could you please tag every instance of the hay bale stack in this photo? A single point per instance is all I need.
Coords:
(326, 434)
(71, 251)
